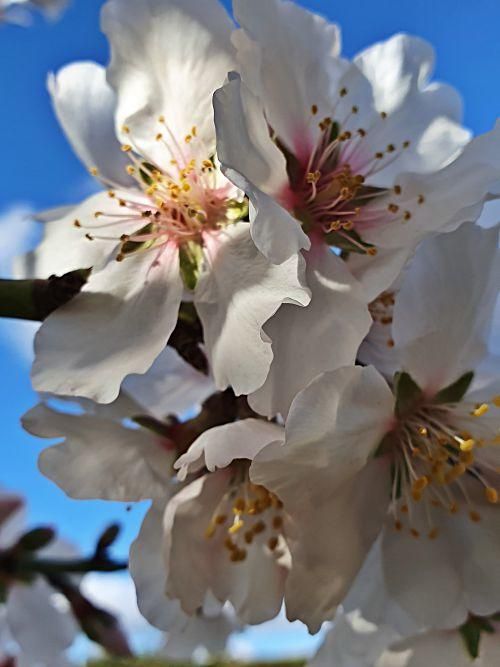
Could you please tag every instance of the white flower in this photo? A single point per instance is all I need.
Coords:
(323, 148)
(103, 454)
(419, 468)
(355, 642)
(33, 626)
(209, 627)
(167, 227)
(223, 535)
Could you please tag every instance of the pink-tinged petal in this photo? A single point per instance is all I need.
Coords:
(252, 161)
(298, 57)
(239, 291)
(85, 107)
(100, 458)
(117, 325)
(323, 336)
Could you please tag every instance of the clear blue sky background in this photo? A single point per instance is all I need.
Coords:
(37, 168)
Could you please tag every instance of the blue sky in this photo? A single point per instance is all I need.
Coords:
(38, 170)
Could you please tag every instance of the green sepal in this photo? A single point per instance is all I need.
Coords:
(455, 392)
(471, 633)
(407, 393)
(145, 177)
(343, 241)
(191, 260)
(129, 247)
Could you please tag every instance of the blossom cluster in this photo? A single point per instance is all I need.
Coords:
(304, 246)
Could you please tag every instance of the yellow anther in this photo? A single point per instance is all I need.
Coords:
(236, 527)
(248, 536)
(398, 526)
(383, 115)
(393, 208)
(159, 136)
(220, 519)
(404, 509)
(421, 199)
(229, 544)
(343, 92)
(210, 531)
(120, 257)
(407, 216)
(272, 543)
(496, 401)
(467, 445)
(161, 119)
(406, 144)
(433, 534)
(420, 484)
(467, 458)
(98, 214)
(423, 431)
(415, 533)
(239, 505)
(314, 109)
(277, 522)
(111, 194)
(491, 495)
(453, 508)
(188, 138)
(125, 129)
(355, 109)
(379, 155)
(372, 252)
(481, 410)
(390, 342)
(391, 148)
(94, 171)
(126, 148)
(259, 527)
(398, 189)
(362, 132)
(77, 223)
(474, 516)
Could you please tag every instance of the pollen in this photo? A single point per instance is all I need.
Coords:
(481, 410)
(467, 445)
(126, 148)
(491, 495)
(94, 171)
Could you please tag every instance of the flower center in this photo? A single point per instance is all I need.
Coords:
(178, 203)
(329, 190)
(248, 514)
(433, 457)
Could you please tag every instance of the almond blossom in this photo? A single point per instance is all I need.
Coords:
(359, 156)
(414, 461)
(166, 228)
(34, 628)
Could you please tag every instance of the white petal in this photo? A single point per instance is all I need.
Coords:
(323, 336)
(445, 305)
(197, 565)
(446, 649)
(459, 563)
(36, 624)
(167, 58)
(85, 106)
(219, 446)
(252, 161)
(237, 294)
(453, 195)
(298, 55)
(148, 572)
(171, 386)
(200, 631)
(321, 475)
(353, 642)
(99, 458)
(64, 247)
(117, 325)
